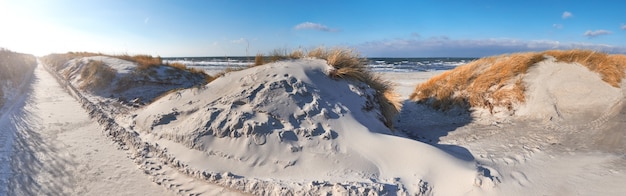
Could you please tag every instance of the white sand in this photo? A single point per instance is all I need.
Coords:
(304, 134)
(569, 93)
(58, 150)
(567, 139)
(407, 81)
(129, 84)
(290, 122)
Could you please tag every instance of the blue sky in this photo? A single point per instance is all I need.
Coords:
(375, 28)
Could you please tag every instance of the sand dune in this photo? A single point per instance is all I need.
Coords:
(568, 92)
(570, 112)
(290, 121)
(552, 127)
(124, 80)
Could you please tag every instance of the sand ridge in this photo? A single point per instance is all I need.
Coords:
(287, 128)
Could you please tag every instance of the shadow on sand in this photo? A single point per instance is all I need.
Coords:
(423, 123)
(32, 154)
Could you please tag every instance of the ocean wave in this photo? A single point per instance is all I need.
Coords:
(376, 64)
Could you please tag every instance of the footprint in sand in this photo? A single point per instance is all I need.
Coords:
(520, 178)
(519, 158)
(508, 160)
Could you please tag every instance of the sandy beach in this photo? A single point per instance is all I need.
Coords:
(288, 128)
(406, 81)
(347, 98)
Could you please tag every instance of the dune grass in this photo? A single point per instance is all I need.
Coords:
(144, 62)
(349, 65)
(97, 74)
(498, 81)
(58, 60)
(14, 68)
(177, 65)
(610, 67)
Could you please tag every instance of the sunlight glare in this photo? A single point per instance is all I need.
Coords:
(35, 35)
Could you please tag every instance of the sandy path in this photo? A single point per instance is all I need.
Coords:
(405, 82)
(59, 150)
(530, 158)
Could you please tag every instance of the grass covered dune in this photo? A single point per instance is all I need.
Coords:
(320, 123)
(96, 75)
(498, 81)
(347, 64)
(142, 78)
(14, 69)
(316, 124)
(319, 117)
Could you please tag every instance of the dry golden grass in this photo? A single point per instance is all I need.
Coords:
(608, 66)
(58, 60)
(296, 54)
(143, 61)
(320, 53)
(96, 75)
(225, 71)
(277, 55)
(497, 81)
(177, 66)
(14, 68)
(347, 64)
(259, 59)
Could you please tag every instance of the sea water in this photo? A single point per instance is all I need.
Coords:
(375, 64)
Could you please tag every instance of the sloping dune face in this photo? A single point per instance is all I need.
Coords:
(577, 94)
(297, 98)
(111, 77)
(567, 92)
(501, 83)
(289, 124)
(15, 68)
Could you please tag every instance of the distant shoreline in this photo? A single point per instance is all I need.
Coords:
(369, 58)
(380, 64)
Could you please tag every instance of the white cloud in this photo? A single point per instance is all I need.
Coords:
(441, 47)
(239, 41)
(567, 15)
(145, 21)
(313, 26)
(557, 26)
(596, 33)
(623, 27)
